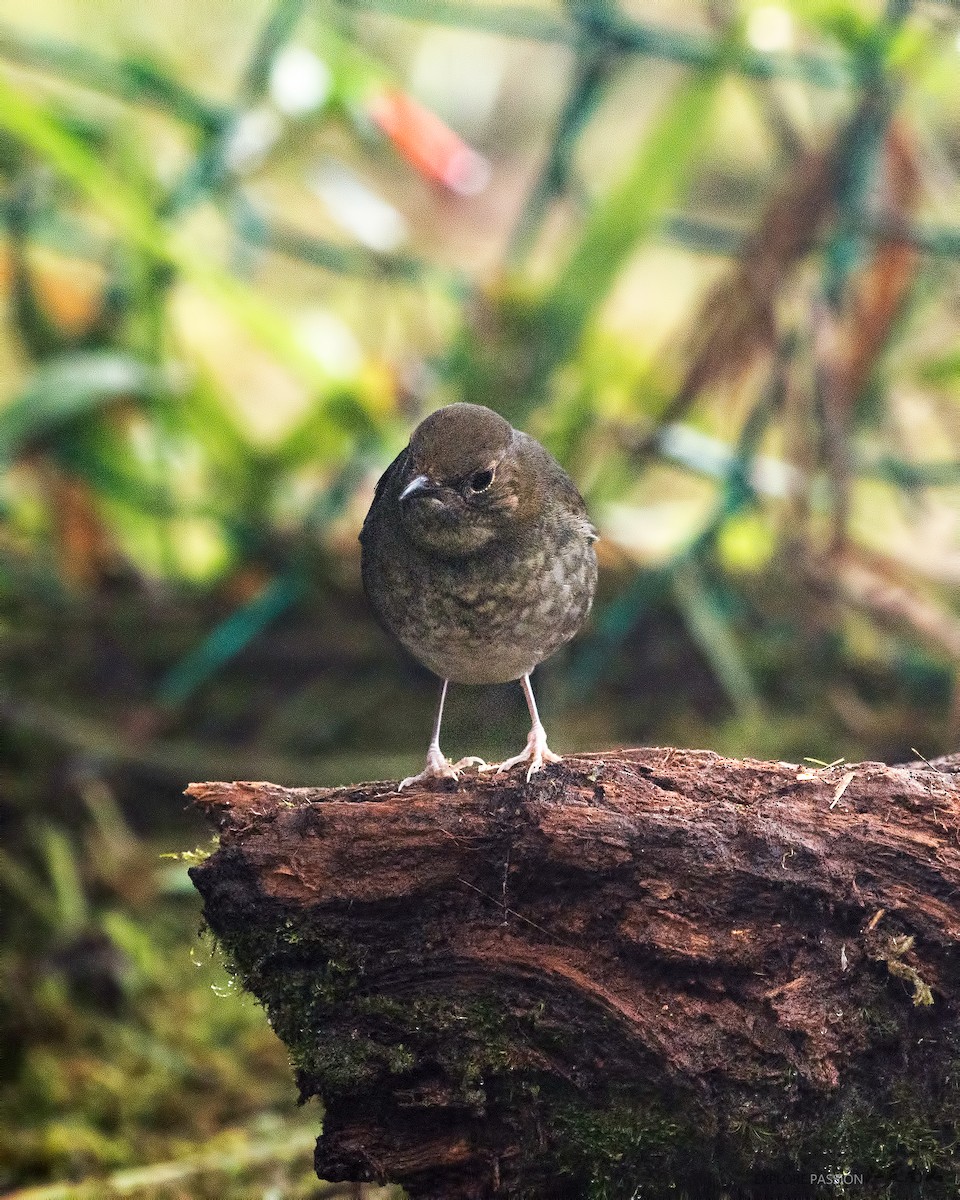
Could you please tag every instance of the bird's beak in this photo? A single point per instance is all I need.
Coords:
(420, 484)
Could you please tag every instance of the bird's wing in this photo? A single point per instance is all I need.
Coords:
(394, 471)
(568, 494)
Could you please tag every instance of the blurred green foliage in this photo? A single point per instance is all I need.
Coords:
(122, 1038)
(713, 266)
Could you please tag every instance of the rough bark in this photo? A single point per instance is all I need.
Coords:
(643, 973)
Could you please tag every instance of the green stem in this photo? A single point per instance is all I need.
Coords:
(128, 79)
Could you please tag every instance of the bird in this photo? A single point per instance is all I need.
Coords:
(477, 555)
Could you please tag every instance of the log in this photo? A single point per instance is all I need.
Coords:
(643, 973)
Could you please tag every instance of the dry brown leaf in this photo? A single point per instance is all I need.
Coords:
(84, 546)
(877, 292)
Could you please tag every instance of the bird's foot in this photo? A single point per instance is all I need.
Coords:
(440, 767)
(537, 753)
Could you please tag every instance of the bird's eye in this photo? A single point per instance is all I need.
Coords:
(480, 481)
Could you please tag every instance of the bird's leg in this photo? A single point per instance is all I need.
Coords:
(438, 765)
(537, 751)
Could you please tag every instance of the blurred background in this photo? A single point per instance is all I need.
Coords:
(706, 252)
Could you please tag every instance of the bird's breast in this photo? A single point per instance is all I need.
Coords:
(486, 618)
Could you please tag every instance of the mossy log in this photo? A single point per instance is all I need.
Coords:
(643, 973)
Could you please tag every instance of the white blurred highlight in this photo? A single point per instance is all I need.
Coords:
(331, 342)
(300, 82)
(251, 138)
(357, 208)
(770, 28)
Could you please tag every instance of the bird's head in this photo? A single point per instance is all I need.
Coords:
(464, 483)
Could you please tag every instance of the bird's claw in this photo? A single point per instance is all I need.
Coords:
(470, 761)
(438, 766)
(537, 752)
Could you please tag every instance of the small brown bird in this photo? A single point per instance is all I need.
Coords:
(478, 557)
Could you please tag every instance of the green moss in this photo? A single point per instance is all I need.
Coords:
(623, 1149)
(196, 856)
(341, 1067)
